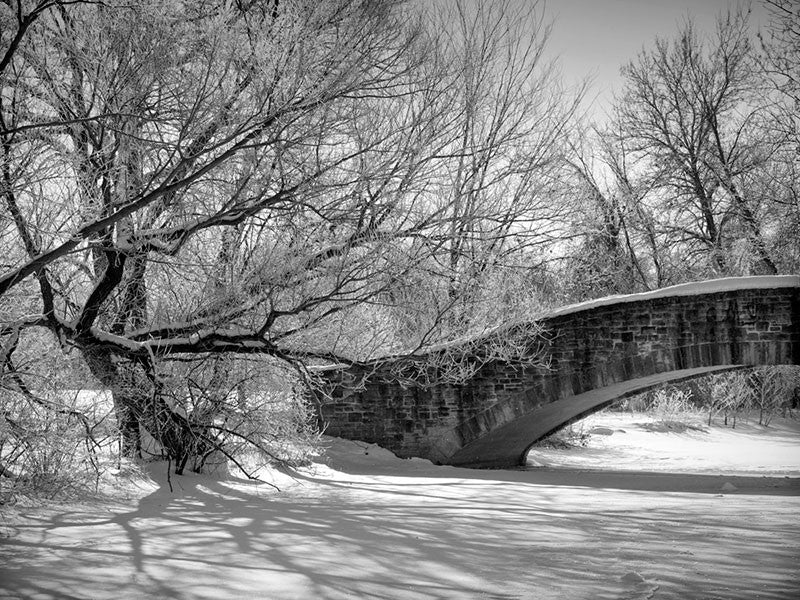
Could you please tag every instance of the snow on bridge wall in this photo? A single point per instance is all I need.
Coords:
(597, 352)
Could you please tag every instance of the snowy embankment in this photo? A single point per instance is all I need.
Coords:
(365, 524)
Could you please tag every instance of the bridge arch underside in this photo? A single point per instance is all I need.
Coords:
(508, 445)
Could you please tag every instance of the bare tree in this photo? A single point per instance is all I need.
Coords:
(781, 47)
(698, 113)
(616, 249)
(498, 185)
(244, 179)
(135, 138)
(780, 60)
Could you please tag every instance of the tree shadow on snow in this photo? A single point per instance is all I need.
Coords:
(437, 533)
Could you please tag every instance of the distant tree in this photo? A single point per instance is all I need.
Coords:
(700, 116)
(781, 47)
(780, 60)
(615, 246)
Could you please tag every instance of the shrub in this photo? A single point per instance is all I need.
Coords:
(773, 390)
(52, 448)
(673, 408)
(570, 436)
(731, 394)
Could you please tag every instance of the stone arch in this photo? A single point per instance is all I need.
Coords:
(599, 351)
(509, 446)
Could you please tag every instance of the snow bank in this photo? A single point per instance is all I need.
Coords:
(349, 456)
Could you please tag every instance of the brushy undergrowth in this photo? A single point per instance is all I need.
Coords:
(757, 394)
(572, 436)
(53, 448)
(66, 447)
(673, 411)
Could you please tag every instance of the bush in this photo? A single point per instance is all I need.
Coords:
(673, 409)
(570, 436)
(635, 403)
(52, 448)
(769, 390)
(774, 390)
(731, 394)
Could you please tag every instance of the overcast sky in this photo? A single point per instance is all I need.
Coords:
(595, 37)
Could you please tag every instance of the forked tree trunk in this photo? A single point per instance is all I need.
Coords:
(138, 405)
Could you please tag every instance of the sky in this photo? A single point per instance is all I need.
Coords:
(596, 37)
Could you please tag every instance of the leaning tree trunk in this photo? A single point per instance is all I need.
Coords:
(127, 406)
(139, 405)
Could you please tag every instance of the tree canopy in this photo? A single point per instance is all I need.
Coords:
(201, 199)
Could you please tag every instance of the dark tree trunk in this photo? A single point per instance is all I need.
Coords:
(127, 406)
(139, 405)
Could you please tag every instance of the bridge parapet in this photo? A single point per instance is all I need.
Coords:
(602, 345)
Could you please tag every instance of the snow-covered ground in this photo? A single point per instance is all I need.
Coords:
(365, 524)
(641, 442)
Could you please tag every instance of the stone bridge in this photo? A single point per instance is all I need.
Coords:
(577, 360)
